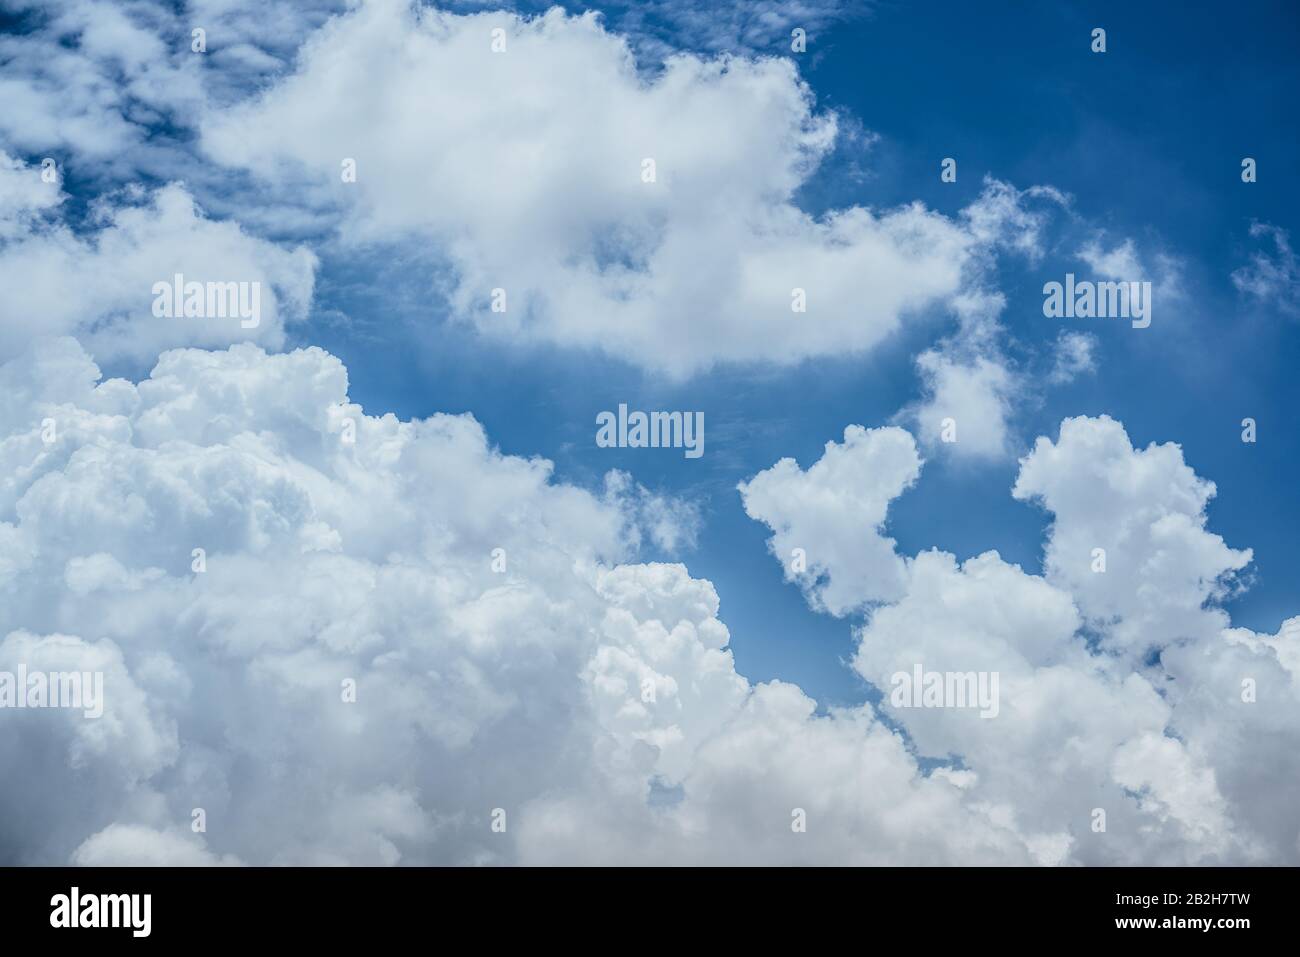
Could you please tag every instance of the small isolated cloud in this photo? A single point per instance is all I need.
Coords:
(1015, 219)
(966, 406)
(1075, 355)
(1272, 276)
(1119, 262)
(1124, 263)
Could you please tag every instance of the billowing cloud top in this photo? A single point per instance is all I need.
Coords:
(554, 682)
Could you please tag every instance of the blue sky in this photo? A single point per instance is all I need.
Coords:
(1013, 92)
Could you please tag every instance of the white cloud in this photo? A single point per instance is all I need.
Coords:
(1124, 263)
(834, 512)
(976, 394)
(1061, 709)
(1253, 743)
(523, 690)
(1271, 277)
(672, 523)
(76, 772)
(90, 84)
(99, 286)
(696, 268)
(131, 845)
(1003, 215)
(1146, 509)
(529, 179)
(864, 801)
(567, 689)
(91, 78)
(1076, 355)
(1087, 719)
(969, 386)
(23, 196)
(1119, 263)
(324, 561)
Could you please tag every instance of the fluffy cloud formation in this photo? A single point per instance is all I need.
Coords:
(700, 266)
(561, 688)
(1090, 720)
(968, 404)
(532, 179)
(1145, 509)
(833, 514)
(324, 561)
(99, 285)
(593, 702)
(1126, 684)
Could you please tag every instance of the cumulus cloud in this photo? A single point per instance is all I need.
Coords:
(1061, 707)
(967, 404)
(593, 702)
(1145, 510)
(559, 683)
(827, 521)
(1127, 683)
(542, 197)
(968, 385)
(73, 82)
(75, 768)
(324, 561)
(99, 285)
(546, 195)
